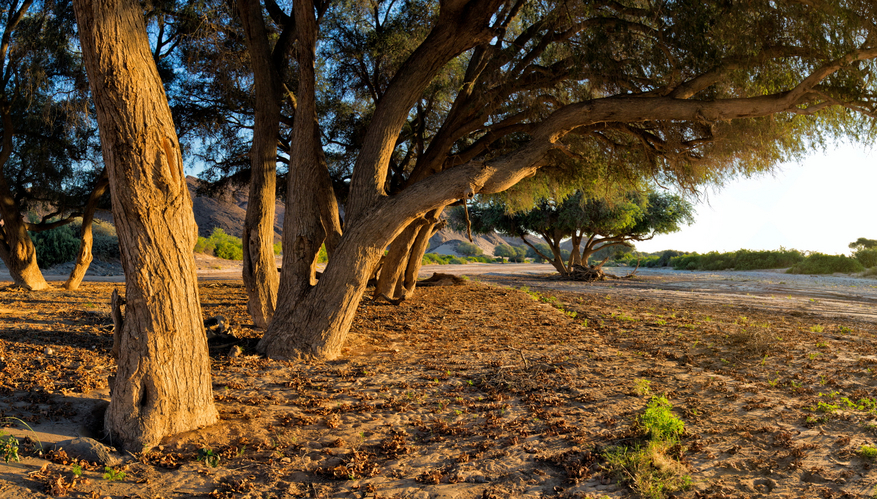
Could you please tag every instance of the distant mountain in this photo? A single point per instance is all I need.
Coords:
(227, 211)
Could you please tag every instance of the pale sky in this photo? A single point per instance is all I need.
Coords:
(821, 204)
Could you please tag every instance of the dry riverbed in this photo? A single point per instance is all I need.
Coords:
(480, 390)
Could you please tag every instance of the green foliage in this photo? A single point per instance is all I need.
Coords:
(466, 248)
(513, 253)
(209, 457)
(220, 245)
(436, 259)
(863, 243)
(818, 263)
(54, 246)
(9, 447)
(867, 257)
(737, 260)
(112, 475)
(323, 255)
(650, 469)
(659, 423)
(868, 452)
(278, 248)
(626, 217)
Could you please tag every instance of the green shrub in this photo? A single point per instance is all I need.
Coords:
(58, 245)
(867, 257)
(659, 423)
(220, 245)
(278, 247)
(466, 248)
(819, 263)
(737, 260)
(322, 256)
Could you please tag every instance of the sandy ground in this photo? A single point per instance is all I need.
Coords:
(513, 384)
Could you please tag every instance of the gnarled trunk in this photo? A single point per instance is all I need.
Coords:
(398, 278)
(86, 239)
(393, 271)
(18, 253)
(162, 385)
(259, 267)
(418, 249)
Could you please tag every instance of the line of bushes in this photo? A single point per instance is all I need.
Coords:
(818, 263)
(737, 260)
(227, 247)
(436, 259)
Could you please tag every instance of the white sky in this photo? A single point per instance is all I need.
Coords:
(821, 204)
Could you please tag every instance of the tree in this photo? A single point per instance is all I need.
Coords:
(46, 133)
(469, 249)
(162, 385)
(598, 223)
(513, 253)
(863, 243)
(671, 84)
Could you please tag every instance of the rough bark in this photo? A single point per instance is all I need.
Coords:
(395, 263)
(418, 249)
(86, 239)
(162, 385)
(259, 268)
(18, 253)
(16, 248)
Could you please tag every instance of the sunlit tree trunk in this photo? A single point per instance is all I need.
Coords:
(16, 248)
(86, 239)
(162, 385)
(259, 267)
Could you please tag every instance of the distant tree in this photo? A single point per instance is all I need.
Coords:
(863, 243)
(47, 137)
(513, 253)
(468, 249)
(591, 224)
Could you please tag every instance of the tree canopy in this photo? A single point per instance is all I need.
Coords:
(591, 224)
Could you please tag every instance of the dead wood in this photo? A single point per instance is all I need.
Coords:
(439, 279)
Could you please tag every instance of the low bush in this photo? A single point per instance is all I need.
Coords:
(58, 245)
(819, 263)
(737, 260)
(867, 257)
(436, 259)
(466, 248)
(220, 245)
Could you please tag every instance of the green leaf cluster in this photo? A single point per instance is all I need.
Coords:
(220, 245)
(737, 260)
(819, 263)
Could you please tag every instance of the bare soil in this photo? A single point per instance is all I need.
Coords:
(479, 390)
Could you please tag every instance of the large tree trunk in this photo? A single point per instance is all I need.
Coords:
(16, 248)
(18, 253)
(86, 239)
(259, 267)
(162, 385)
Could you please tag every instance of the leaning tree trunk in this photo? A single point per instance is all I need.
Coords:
(259, 267)
(418, 249)
(402, 264)
(162, 385)
(16, 248)
(395, 263)
(86, 239)
(18, 253)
